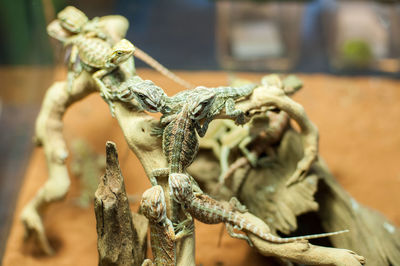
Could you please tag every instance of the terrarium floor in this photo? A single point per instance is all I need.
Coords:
(358, 119)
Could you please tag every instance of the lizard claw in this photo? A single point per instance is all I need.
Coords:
(299, 174)
(157, 131)
(107, 96)
(253, 159)
(184, 227)
(241, 119)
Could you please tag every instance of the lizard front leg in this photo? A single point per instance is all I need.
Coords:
(73, 69)
(237, 206)
(236, 113)
(104, 91)
(157, 173)
(232, 233)
(250, 156)
(184, 228)
(201, 130)
(157, 131)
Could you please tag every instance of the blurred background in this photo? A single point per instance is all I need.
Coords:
(298, 36)
(320, 36)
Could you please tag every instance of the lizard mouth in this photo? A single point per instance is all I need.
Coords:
(151, 107)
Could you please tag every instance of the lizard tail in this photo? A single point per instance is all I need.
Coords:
(160, 68)
(275, 239)
(306, 237)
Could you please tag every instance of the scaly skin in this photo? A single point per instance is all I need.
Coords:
(55, 30)
(72, 22)
(158, 101)
(209, 211)
(98, 54)
(180, 142)
(264, 130)
(163, 237)
(72, 19)
(224, 98)
(76, 23)
(150, 97)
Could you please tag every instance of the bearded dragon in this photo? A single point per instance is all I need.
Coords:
(225, 97)
(180, 143)
(163, 236)
(153, 99)
(72, 21)
(264, 130)
(210, 211)
(76, 22)
(98, 56)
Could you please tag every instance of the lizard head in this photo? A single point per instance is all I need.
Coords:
(121, 52)
(55, 30)
(201, 103)
(72, 19)
(150, 97)
(180, 186)
(153, 204)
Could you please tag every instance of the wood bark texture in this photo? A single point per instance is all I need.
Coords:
(120, 240)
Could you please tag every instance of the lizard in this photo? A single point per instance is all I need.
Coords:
(225, 97)
(99, 57)
(210, 211)
(179, 140)
(153, 99)
(162, 232)
(265, 129)
(75, 22)
(149, 96)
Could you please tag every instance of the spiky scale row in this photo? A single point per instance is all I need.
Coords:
(93, 51)
(180, 143)
(210, 211)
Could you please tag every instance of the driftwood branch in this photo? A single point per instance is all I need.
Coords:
(136, 126)
(49, 126)
(121, 239)
(371, 233)
(264, 192)
(303, 252)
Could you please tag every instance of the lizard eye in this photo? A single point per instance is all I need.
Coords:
(167, 109)
(141, 95)
(200, 111)
(147, 103)
(151, 104)
(119, 53)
